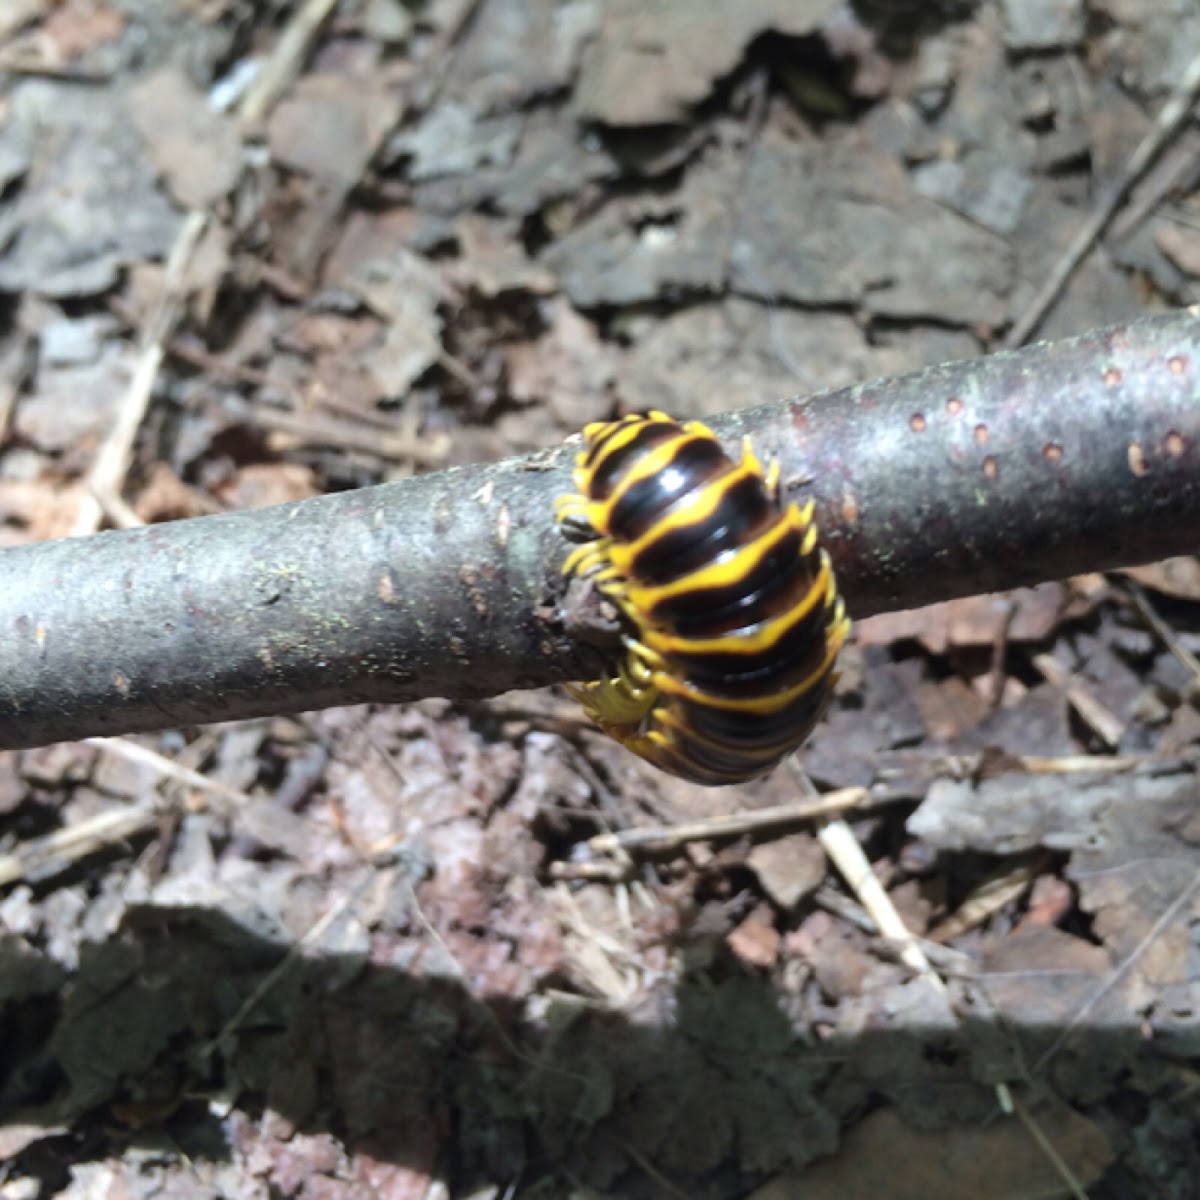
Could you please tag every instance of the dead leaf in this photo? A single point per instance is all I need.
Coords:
(408, 349)
(1176, 577)
(756, 941)
(76, 28)
(197, 151)
(569, 368)
(1181, 245)
(330, 126)
(16, 13)
(842, 224)
(1012, 812)
(1043, 949)
(165, 497)
(73, 403)
(452, 140)
(949, 707)
(972, 620)
(1050, 901)
(512, 55)
(373, 260)
(635, 248)
(789, 868)
(734, 352)
(651, 63)
(882, 1156)
(90, 204)
(494, 260)
(41, 510)
(261, 484)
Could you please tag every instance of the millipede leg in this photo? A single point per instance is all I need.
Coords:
(585, 559)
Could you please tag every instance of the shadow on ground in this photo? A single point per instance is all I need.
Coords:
(708, 1085)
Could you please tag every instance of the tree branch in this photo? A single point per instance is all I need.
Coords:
(976, 476)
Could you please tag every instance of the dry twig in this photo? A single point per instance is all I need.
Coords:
(1106, 725)
(1163, 631)
(1175, 112)
(111, 464)
(662, 839)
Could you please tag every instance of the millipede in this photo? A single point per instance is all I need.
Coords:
(735, 621)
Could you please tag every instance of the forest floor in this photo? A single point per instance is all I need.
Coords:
(371, 952)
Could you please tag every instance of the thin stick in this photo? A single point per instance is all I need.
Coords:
(1082, 764)
(363, 596)
(838, 841)
(314, 934)
(44, 856)
(846, 853)
(1169, 914)
(277, 71)
(1162, 630)
(41, 857)
(1172, 117)
(662, 838)
(993, 894)
(106, 477)
(1009, 1103)
(112, 460)
(1104, 724)
(132, 752)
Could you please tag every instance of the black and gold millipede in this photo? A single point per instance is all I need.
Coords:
(734, 620)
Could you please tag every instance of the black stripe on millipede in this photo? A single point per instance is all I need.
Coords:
(696, 461)
(754, 730)
(738, 674)
(775, 580)
(608, 467)
(728, 762)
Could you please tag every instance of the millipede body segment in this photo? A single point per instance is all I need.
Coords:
(734, 614)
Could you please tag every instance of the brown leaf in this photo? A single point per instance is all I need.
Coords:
(166, 497)
(330, 125)
(404, 288)
(1177, 577)
(197, 151)
(261, 484)
(74, 30)
(949, 707)
(756, 941)
(789, 868)
(494, 260)
(42, 509)
(652, 62)
(568, 368)
(1181, 246)
(971, 621)
(1044, 949)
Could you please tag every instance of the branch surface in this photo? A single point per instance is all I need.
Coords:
(976, 476)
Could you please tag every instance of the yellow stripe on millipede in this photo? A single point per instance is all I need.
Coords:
(724, 571)
(767, 638)
(691, 511)
(669, 685)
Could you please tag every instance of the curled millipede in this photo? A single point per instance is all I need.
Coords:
(735, 617)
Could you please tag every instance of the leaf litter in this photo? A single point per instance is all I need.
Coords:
(465, 229)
